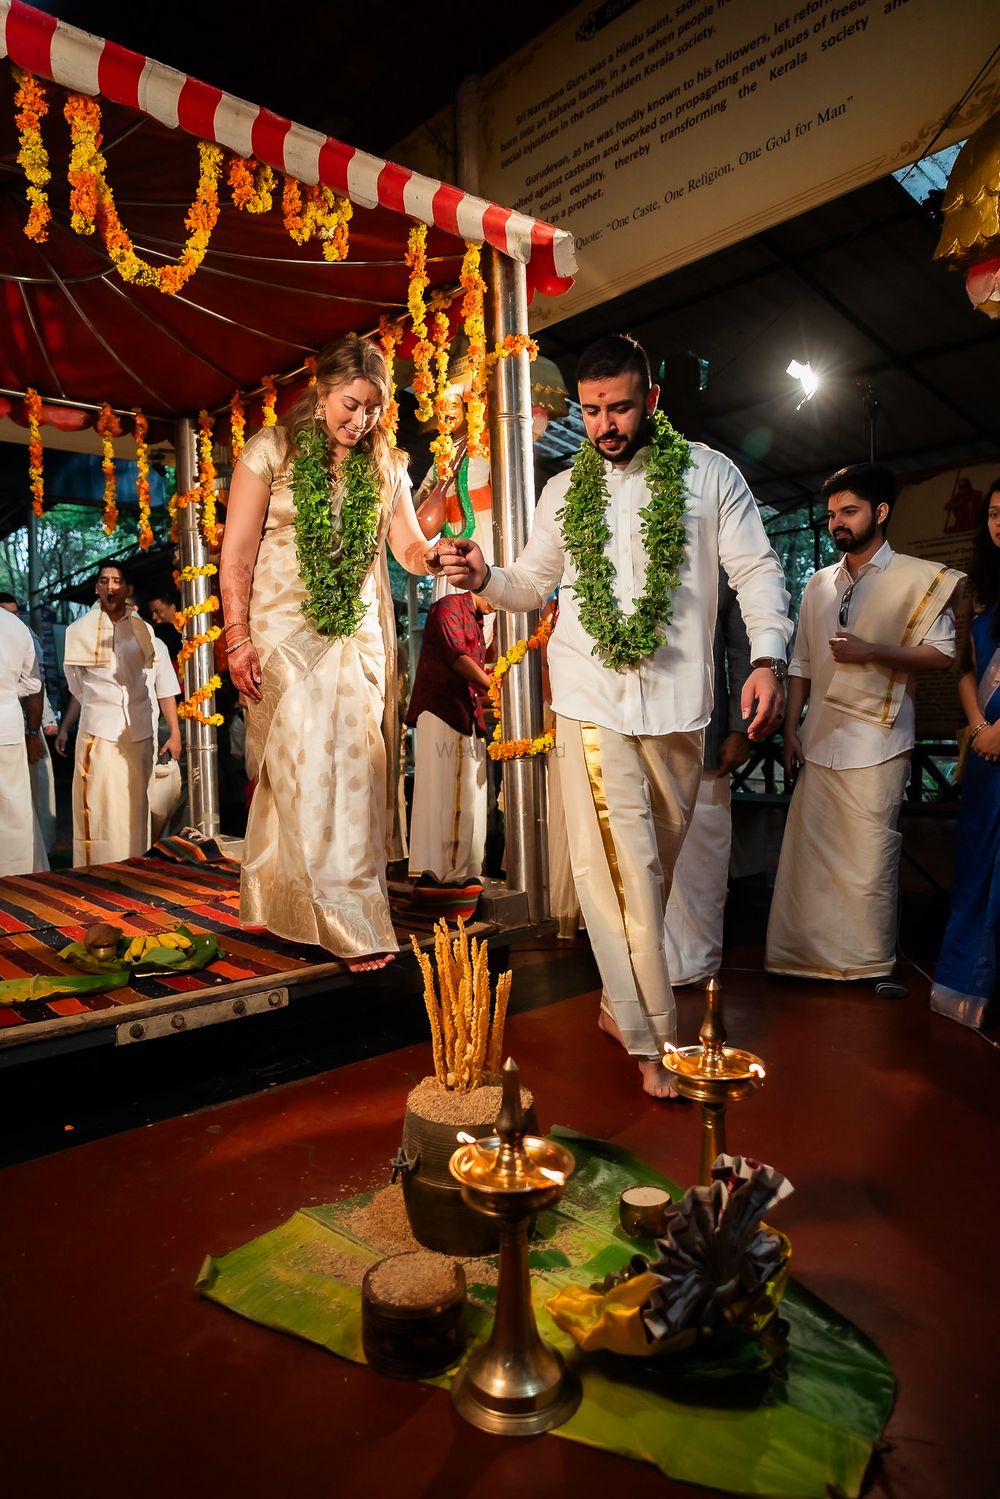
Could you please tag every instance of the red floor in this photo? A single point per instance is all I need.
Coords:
(119, 1380)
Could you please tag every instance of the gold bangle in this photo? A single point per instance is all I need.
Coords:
(239, 644)
(978, 729)
(237, 624)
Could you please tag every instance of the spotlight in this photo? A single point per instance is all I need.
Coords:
(807, 377)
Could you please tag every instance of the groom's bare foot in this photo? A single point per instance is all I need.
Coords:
(656, 1080)
(606, 1022)
(370, 962)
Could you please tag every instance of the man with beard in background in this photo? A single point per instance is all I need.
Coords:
(868, 624)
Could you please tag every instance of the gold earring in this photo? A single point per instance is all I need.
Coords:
(320, 412)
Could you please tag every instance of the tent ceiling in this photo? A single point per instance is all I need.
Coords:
(851, 287)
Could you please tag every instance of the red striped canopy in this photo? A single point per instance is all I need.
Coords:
(258, 304)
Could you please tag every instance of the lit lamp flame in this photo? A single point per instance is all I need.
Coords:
(757, 1070)
(807, 377)
(464, 1138)
(558, 1177)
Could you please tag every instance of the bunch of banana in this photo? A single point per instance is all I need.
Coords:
(140, 946)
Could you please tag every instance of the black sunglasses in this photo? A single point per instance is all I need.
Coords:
(845, 605)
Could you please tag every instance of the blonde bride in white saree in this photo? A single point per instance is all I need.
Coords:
(311, 638)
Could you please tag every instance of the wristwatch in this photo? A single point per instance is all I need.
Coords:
(780, 668)
(32, 733)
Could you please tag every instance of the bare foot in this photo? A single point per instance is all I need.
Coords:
(656, 1080)
(606, 1022)
(371, 962)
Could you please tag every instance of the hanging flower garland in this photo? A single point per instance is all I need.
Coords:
(146, 537)
(33, 407)
(251, 184)
(191, 707)
(311, 367)
(237, 425)
(517, 749)
(211, 530)
(32, 105)
(474, 323)
(423, 380)
(92, 203)
(317, 213)
(109, 427)
(447, 409)
(270, 415)
(333, 584)
(388, 336)
(623, 640)
(177, 503)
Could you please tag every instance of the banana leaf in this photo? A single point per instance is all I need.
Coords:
(204, 949)
(53, 986)
(717, 1415)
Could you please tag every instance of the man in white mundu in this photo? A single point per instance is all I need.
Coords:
(20, 742)
(120, 687)
(696, 908)
(630, 660)
(867, 625)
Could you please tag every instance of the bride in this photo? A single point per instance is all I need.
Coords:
(311, 639)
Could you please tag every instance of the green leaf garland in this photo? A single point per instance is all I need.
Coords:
(623, 640)
(333, 577)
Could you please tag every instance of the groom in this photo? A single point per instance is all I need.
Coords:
(635, 533)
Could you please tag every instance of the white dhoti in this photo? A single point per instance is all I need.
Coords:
(448, 817)
(631, 799)
(833, 915)
(110, 799)
(692, 932)
(564, 904)
(43, 796)
(20, 851)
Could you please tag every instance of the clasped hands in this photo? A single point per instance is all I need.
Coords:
(459, 560)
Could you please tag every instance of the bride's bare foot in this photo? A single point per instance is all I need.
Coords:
(370, 962)
(656, 1080)
(606, 1022)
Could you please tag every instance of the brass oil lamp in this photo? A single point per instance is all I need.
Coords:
(514, 1384)
(714, 1075)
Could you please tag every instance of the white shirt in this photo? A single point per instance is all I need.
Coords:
(672, 690)
(120, 700)
(830, 737)
(20, 675)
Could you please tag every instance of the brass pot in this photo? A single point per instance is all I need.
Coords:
(438, 1216)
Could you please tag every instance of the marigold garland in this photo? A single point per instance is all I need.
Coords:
(191, 707)
(211, 530)
(251, 184)
(203, 606)
(92, 203)
(517, 749)
(175, 504)
(514, 343)
(423, 380)
(109, 427)
(270, 415)
(447, 411)
(237, 425)
(188, 574)
(32, 105)
(311, 367)
(388, 336)
(146, 537)
(33, 407)
(474, 323)
(194, 643)
(317, 213)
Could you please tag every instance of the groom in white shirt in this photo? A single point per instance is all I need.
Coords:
(635, 533)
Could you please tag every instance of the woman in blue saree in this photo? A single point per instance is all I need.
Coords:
(966, 977)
